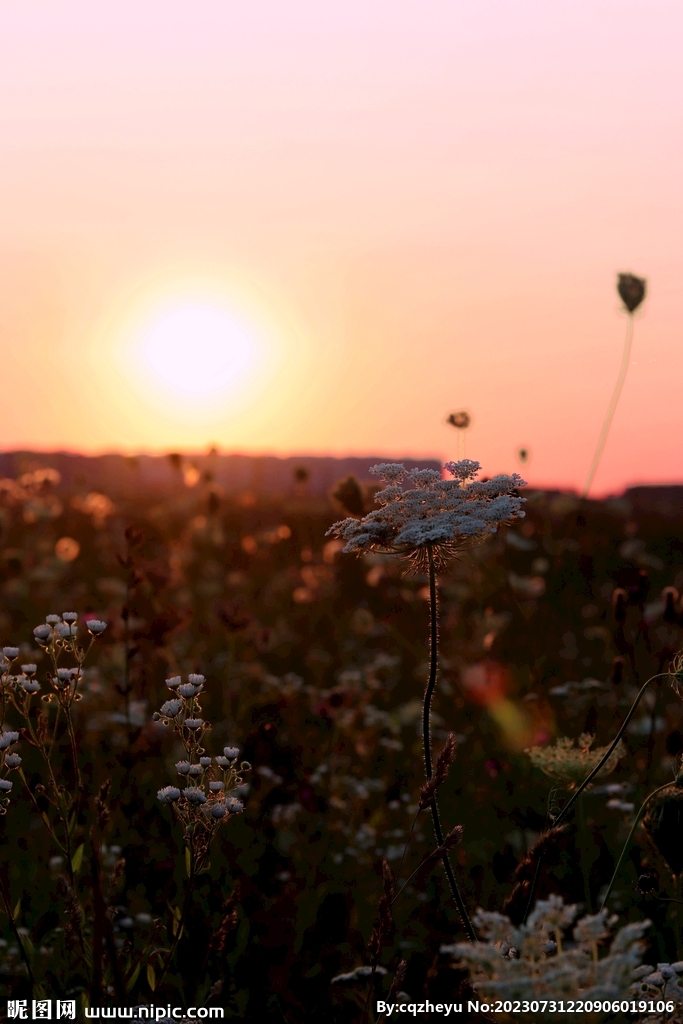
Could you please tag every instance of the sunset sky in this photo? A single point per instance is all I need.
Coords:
(320, 227)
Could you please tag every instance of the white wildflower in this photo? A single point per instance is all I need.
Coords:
(544, 970)
(564, 760)
(419, 509)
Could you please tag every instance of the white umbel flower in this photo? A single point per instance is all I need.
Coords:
(420, 509)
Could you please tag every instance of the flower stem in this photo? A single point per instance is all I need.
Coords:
(589, 778)
(16, 934)
(612, 408)
(431, 684)
(628, 840)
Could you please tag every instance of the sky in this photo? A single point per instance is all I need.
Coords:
(320, 228)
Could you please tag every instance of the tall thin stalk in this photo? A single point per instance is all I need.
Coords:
(427, 743)
(589, 778)
(612, 407)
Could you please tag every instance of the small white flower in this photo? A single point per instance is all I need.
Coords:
(7, 739)
(173, 682)
(194, 795)
(187, 690)
(52, 619)
(171, 708)
(29, 685)
(234, 805)
(205, 761)
(215, 787)
(195, 769)
(42, 633)
(12, 760)
(168, 794)
(194, 723)
(96, 626)
(70, 616)
(218, 810)
(222, 762)
(29, 670)
(11, 652)
(196, 679)
(231, 752)
(5, 785)
(63, 629)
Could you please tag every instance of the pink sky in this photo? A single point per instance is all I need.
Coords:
(417, 207)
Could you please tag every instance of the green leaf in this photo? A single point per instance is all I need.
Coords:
(17, 910)
(188, 861)
(77, 859)
(151, 977)
(133, 977)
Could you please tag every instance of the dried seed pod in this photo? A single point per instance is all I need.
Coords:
(663, 823)
(619, 604)
(631, 290)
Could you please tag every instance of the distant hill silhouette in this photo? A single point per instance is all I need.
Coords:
(266, 475)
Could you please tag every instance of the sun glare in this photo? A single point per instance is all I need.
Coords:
(197, 351)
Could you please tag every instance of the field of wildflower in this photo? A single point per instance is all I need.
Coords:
(244, 767)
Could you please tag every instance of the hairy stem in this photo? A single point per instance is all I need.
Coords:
(426, 737)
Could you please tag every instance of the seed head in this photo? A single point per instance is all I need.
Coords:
(631, 290)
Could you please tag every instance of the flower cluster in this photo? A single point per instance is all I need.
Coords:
(9, 761)
(431, 511)
(567, 762)
(534, 962)
(207, 798)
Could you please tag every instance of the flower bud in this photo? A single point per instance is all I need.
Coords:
(631, 290)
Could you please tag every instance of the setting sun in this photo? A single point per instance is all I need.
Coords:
(197, 351)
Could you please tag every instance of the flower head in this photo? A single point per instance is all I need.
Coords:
(12, 760)
(11, 652)
(70, 616)
(168, 795)
(194, 723)
(173, 682)
(42, 632)
(5, 785)
(194, 795)
(431, 512)
(171, 708)
(96, 626)
(183, 767)
(7, 739)
(231, 752)
(631, 290)
(565, 761)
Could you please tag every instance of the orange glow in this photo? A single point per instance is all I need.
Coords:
(405, 216)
